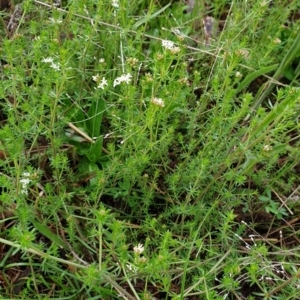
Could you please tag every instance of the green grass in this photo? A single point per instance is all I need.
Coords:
(143, 159)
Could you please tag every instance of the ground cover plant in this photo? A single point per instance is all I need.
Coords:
(149, 150)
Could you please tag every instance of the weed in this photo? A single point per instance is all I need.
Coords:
(146, 157)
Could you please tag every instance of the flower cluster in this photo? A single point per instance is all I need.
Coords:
(184, 81)
(132, 61)
(138, 260)
(243, 53)
(267, 148)
(115, 3)
(169, 45)
(238, 74)
(25, 182)
(158, 102)
(53, 65)
(102, 83)
(123, 78)
(139, 249)
(55, 21)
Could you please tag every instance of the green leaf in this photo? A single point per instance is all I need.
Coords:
(279, 148)
(93, 169)
(95, 151)
(249, 163)
(149, 17)
(264, 198)
(95, 114)
(252, 76)
(49, 234)
(289, 73)
(265, 90)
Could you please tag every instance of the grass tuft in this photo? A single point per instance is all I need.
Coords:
(149, 150)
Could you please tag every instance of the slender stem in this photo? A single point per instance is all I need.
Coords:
(285, 283)
(70, 263)
(129, 283)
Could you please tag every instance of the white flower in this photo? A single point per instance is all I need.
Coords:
(167, 44)
(276, 41)
(25, 182)
(132, 267)
(115, 3)
(96, 78)
(53, 65)
(158, 102)
(102, 84)
(263, 3)
(142, 259)
(123, 78)
(55, 21)
(238, 74)
(139, 249)
(267, 148)
(47, 60)
(243, 52)
(175, 50)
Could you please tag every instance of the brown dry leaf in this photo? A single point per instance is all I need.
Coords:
(210, 28)
(191, 5)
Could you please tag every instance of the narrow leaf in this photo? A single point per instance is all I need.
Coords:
(147, 18)
(252, 76)
(49, 234)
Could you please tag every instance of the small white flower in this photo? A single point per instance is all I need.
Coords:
(158, 102)
(132, 267)
(276, 41)
(101, 60)
(47, 60)
(123, 78)
(25, 182)
(115, 3)
(96, 78)
(238, 74)
(167, 44)
(139, 249)
(102, 84)
(268, 148)
(55, 66)
(243, 52)
(55, 21)
(24, 191)
(175, 50)
(263, 3)
(142, 259)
